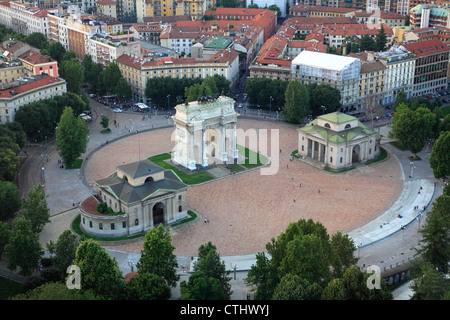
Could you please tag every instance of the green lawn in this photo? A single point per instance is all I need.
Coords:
(77, 164)
(398, 145)
(446, 110)
(9, 288)
(187, 178)
(250, 156)
(383, 155)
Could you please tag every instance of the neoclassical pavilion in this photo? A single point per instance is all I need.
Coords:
(337, 140)
(205, 132)
(141, 194)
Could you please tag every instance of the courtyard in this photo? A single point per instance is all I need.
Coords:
(246, 210)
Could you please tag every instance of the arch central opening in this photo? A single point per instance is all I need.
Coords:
(158, 214)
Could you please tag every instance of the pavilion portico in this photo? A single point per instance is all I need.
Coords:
(337, 140)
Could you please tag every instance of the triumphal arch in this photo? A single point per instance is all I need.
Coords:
(205, 132)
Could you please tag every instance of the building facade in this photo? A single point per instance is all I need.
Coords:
(141, 194)
(21, 92)
(340, 72)
(337, 140)
(431, 66)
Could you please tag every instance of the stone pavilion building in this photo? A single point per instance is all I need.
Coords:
(337, 141)
(141, 195)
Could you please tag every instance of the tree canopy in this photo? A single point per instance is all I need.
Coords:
(72, 137)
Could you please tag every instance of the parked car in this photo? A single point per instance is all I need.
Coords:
(85, 117)
(388, 115)
(117, 110)
(240, 105)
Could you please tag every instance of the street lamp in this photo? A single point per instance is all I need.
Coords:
(270, 110)
(323, 109)
(131, 264)
(233, 266)
(168, 102)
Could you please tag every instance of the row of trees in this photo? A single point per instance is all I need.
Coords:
(21, 244)
(296, 100)
(431, 280)
(179, 89)
(12, 139)
(307, 264)
(101, 278)
(417, 122)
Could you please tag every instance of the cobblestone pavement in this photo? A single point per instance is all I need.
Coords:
(246, 210)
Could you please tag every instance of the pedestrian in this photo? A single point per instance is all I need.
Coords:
(319, 190)
(207, 220)
(300, 185)
(287, 166)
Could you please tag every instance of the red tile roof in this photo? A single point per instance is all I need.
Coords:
(8, 93)
(426, 47)
(35, 57)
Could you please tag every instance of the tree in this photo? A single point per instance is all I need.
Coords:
(87, 64)
(36, 39)
(367, 43)
(147, 286)
(195, 91)
(104, 121)
(275, 8)
(355, 286)
(69, 55)
(23, 249)
(380, 40)
(99, 272)
(296, 107)
(334, 290)
(72, 137)
(55, 291)
(342, 258)
(429, 283)
(9, 164)
(440, 156)
(323, 95)
(157, 256)
(201, 287)
(210, 279)
(291, 287)
(5, 233)
(444, 124)
(72, 71)
(10, 200)
(111, 76)
(412, 127)
(400, 99)
(35, 209)
(264, 276)
(56, 50)
(435, 243)
(122, 90)
(65, 250)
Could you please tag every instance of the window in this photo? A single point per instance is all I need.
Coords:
(100, 226)
(136, 222)
(124, 224)
(90, 224)
(113, 226)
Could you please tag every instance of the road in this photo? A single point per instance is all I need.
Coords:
(395, 249)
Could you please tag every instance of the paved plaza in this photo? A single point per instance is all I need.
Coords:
(247, 209)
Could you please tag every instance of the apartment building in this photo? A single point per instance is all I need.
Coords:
(25, 91)
(10, 50)
(431, 66)
(23, 18)
(281, 4)
(400, 65)
(371, 85)
(147, 32)
(340, 72)
(391, 19)
(318, 11)
(107, 7)
(35, 63)
(336, 35)
(137, 71)
(429, 15)
(11, 72)
(273, 60)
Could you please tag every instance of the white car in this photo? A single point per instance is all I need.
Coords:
(117, 110)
